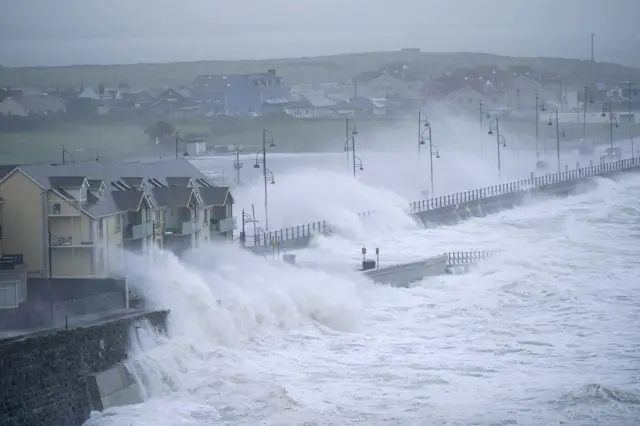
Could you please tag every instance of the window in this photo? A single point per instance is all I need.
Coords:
(206, 216)
(9, 292)
(216, 97)
(83, 193)
(306, 111)
(101, 192)
(118, 222)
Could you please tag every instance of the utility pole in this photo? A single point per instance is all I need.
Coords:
(633, 151)
(584, 117)
(537, 121)
(593, 58)
(237, 165)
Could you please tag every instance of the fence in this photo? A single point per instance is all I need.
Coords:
(521, 185)
(266, 239)
(535, 182)
(468, 257)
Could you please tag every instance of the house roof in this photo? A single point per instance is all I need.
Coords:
(179, 181)
(5, 170)
(313, 101)
(134, 182)
(40, 103)
(95, 183)
(67, 182)
(157, 171)
(216, 196)
(356, 103)
(173, 196)
(128, 200)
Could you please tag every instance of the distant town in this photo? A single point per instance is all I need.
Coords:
(392, 91)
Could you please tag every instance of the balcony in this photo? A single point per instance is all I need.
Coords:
(183, 228)
(223, 225)
(69, 242)
(139, 231)
(61, 208)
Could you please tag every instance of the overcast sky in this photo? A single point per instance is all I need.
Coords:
(65, 32)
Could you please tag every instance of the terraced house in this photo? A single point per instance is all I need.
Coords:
(77, 220)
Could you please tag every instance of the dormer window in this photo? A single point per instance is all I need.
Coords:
(83, 193)
(101, 192)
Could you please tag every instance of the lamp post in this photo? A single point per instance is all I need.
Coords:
(66, 152)
(612, 121)
(237, 165)
(422, 120)
(629, 84)
(350, 131)
(433, 151)
(500, 141)
(248, 218)
(348, 148)
(537, 131)
(557, 136)
(266, 136)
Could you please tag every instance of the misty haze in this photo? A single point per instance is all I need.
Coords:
(353, 212)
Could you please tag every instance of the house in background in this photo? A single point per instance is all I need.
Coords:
(311, 106)
(89, 92)
(30, 105)
(359, 107)
(174, 103)
(242, 95)
(468, 99)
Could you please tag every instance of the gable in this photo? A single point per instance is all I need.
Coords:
(385, 80)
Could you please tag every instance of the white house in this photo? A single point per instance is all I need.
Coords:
(521, 94)
(468, 98)
(9, 107)
(386, 85)
(311, 106)
(89, 93)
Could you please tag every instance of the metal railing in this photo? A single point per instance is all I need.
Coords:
(534, 182)
(468, 257)
(521, 185)
(266, 239)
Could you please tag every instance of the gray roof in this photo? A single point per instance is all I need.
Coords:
(109, 172)
(216, 196)
(172, 196)
(40, 103)
(179, 181)
(128, 200)
(5, 170)
(95, 183)
(134, 182)
(66, 181)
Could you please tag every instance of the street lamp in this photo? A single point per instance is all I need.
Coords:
(350, 132)
(422, 120)
(550, 123)
(433, 151)
(584, 115)
(266, 136)
(248, 218)
(628, 83)
(500, 141)
(66, 152)
(237, 165)
(359, 163)
(186, 154)
(537, 122)
(348, 148)
(612, 121)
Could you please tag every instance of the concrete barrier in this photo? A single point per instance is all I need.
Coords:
(113, 387)
(407, 273)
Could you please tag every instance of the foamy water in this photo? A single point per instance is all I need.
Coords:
(545, 334)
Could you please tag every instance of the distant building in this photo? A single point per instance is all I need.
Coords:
(360, 106)
(30, 105)
(242, 95)
(311, 106)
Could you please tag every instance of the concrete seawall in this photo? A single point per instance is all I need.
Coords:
(407, 273)
(58, 378)
(451, 208)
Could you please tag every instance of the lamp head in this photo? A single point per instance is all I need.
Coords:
(437, 155)
(361, 169)
(549, 123)
(272, 145)
(488, 116)
(354, 132)
(564, 134)
(603, 114)
(273, 182)
(422, 142)
(543, 108)
(490, 132)
(256, 166)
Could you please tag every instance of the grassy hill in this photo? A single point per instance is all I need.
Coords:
(319, 69)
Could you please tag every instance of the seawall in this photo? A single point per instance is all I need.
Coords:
(459, 206)
(54, 378)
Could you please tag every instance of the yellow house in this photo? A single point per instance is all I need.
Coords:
(76, 220)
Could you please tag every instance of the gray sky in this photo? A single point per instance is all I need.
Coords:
(64, 32)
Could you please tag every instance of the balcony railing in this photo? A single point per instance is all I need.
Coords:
(139, 231)
(69, 241)
(223, 225)
(184, 228)
(62, 208)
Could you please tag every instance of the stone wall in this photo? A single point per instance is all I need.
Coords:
(43, 378)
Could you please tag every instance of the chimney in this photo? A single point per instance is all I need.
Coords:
(271, 71)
